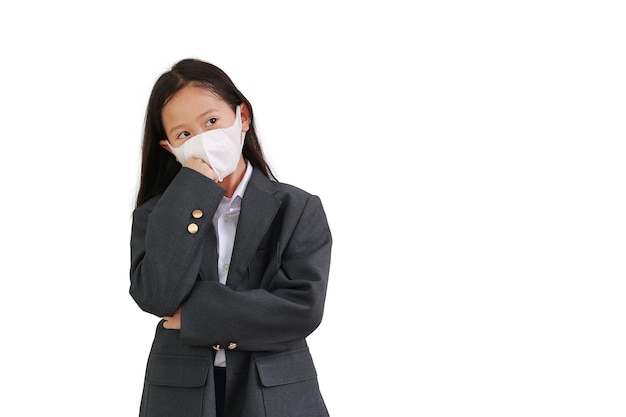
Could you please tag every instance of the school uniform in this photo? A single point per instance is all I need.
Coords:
(256, 322)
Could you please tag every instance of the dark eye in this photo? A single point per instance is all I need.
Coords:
(210, 122)
(183, 135)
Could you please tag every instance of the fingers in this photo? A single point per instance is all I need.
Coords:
(172, 322)
(202, 167)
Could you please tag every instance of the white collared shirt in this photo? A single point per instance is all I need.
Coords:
(225, 222)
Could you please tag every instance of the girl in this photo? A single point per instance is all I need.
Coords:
(235, 262)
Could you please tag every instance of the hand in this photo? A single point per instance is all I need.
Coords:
(172, 323)
(202, 167)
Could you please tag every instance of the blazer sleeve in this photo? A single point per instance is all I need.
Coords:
(165, 252)
(289, 308)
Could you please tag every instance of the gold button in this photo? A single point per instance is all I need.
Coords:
(197, 214)
(232, 346)
(192, 228)
(216, 347)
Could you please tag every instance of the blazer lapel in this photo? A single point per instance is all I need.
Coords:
(208, 267)
(258, 209)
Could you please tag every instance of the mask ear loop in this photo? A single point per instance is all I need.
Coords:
(238, 116)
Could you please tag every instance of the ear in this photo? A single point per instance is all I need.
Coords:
(164, 145)
(245, 118)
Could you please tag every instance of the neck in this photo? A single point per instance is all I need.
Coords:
(232, 181)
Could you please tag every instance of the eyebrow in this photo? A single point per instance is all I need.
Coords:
(201, 116)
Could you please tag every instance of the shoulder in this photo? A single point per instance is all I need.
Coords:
(285, 192)
(147, 206)
(292, 191)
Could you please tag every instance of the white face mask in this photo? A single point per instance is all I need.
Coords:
(220, 148)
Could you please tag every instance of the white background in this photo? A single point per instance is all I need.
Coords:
(470, 156)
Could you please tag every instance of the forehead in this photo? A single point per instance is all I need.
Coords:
(191, 101)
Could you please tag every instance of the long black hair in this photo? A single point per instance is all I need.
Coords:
(158, 166)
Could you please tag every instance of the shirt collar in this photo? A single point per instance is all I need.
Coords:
(241, 188)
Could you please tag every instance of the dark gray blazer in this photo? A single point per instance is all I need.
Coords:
(273, 298)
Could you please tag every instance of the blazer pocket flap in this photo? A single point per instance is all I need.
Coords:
(177, 371)
(285, 367)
